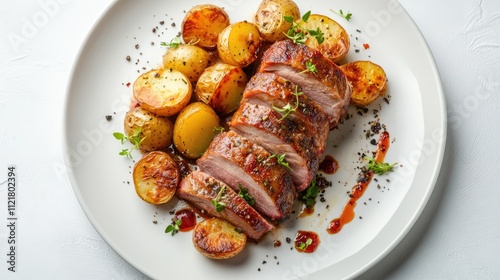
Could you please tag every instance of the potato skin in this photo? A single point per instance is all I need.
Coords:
(188, 59)
(203, 24)
(368, 81)
(194, 129)
(218, 239)
(156, 177)
(269, 18)
(239, 44)
(221, 86)
(164, 92)
(156, 131)
(336, 44)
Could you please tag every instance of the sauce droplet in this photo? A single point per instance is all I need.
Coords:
(306, 241)
(329, 165)
(188, 219)
(357, 191)
(276, 243)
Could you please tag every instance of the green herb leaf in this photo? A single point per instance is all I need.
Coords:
(135, 139)
(219, 206)
(287, 109)
(347, 16)
(174, 227)
(303, 246)
(288, 19)
(243, 193)
(281, 160)
(174, 43)
(305, 17)
(219, 129)
(379, 168)
(309, 195)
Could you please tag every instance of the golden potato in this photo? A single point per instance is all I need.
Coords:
(269, 18)
(239, 44)
(156, 177)
(336, 42)
(221, 86)
(203, 24)
(156, 132)
(218, 239)
(368, 81)
(164, 92)
(188, 59)
(194, 129)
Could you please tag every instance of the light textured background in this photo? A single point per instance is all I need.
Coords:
(457, 237)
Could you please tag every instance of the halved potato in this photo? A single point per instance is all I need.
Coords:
(203, 24)
(188, 59)
(156, 177)
(239, 44)
(368, 81)
(194, 129)
(221, 86)
(218, 239)
(157, 132)
(269, 18)
(164, 92)
(336, 43)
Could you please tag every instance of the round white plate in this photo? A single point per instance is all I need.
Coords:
(415, 118)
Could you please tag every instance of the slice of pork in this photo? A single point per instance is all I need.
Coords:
(328, 86)
(280, 136)
(241, 163)
(271, 90)
(199, 189)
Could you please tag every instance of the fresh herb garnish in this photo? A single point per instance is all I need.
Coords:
(303, 245)
(174, 227)
(219, 206)
(341, 13)
(174, 43)
(298, 34)
(288, 108)
(310, 67)
(243, 193)
(219, 129)
(135, 139)
(379, 167)
(281, 160)
(310, 194)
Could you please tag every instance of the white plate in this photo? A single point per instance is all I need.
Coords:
(415, 117)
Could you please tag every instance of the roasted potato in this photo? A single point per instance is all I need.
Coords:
(164, 92)
(336, 42)
(194, 129)
(203, 24)
(156, 177)
(221, 86)
(368, 81)
(156, 132)
(188, 59)
(218, 239)
(239, 44)
(269, 18)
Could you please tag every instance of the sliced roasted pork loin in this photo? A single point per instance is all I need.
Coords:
(271, 90)
(200, 188)
(280, 136)
(326, 84)
(241, 163)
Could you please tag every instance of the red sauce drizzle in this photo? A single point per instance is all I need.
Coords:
(302, 237)
(329, 165)
(357, 191)
(188, 219)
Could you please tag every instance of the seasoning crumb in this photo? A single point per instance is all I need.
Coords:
(155, 222)
(109, 117)
(264, 262)
(258, 269)
(173, 24)
(162, 22)
(128, 58)
(288, 240)
(137, 46)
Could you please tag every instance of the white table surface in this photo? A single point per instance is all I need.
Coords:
(457, 236)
